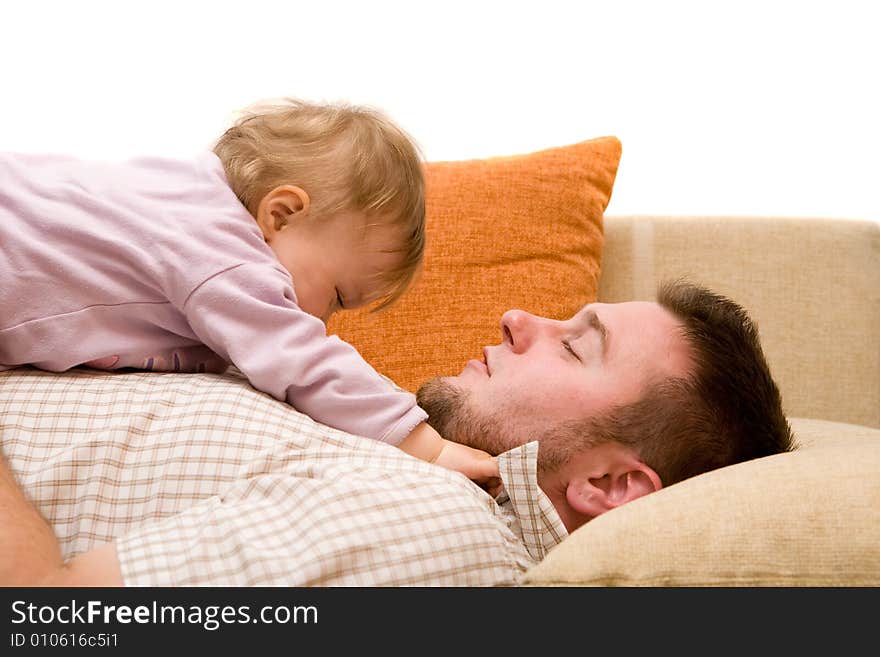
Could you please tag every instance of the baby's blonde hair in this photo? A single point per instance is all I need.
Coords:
(346, 158)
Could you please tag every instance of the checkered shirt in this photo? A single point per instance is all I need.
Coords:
(202, 480)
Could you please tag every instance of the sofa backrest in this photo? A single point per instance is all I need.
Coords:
(812, 285)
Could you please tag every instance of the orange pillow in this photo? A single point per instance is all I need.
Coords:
(521, 231)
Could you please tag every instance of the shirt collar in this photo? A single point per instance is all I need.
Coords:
(541, 525)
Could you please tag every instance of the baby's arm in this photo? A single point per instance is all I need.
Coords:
(425, 443)
(248, 315)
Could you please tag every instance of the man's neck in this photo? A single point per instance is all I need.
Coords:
(555, 485)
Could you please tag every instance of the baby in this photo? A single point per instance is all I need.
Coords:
(239, 256)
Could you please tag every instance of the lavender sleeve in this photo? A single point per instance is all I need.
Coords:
(249, 316)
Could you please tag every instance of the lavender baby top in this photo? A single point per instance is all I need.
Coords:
(155, 264)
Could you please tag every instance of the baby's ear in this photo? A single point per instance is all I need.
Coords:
(281, 206)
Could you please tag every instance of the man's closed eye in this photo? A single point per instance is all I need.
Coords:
(567, 346)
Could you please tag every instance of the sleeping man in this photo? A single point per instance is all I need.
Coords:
(190, 480)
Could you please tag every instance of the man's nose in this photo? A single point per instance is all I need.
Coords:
(518, 329)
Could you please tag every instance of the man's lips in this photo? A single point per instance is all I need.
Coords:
(483, 364)
(478, 365)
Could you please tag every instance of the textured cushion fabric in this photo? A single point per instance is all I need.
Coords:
(522, 231)
(811, 284)
(807, 518)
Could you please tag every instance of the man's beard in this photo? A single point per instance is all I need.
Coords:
(452, 416)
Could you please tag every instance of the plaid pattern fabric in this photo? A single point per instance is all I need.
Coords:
(540, 526)
(202, 480)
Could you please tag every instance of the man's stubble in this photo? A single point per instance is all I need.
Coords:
(452, 415)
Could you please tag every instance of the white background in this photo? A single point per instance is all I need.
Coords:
(722, 107)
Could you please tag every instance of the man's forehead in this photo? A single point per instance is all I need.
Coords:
(639, 328)
(620, 306)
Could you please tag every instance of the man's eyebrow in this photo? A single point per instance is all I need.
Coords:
(596, 323)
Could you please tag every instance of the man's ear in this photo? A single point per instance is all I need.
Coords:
(280, 207)
(617, 483)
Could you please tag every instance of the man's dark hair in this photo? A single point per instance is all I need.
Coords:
(729, 409)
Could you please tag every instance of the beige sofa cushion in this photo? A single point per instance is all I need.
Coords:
(806, 518)
(812, 286)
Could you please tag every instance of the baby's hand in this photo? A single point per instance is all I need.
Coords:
(425, 443)
(475, 464)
